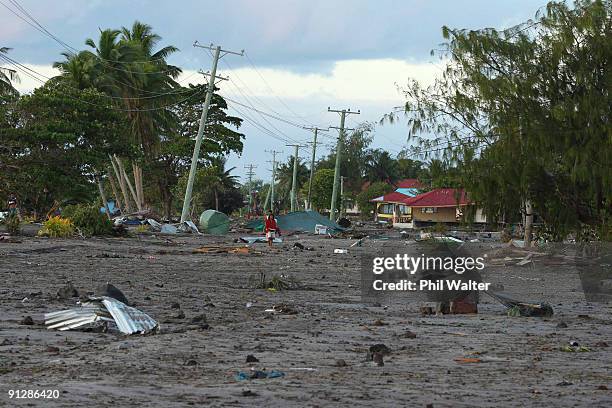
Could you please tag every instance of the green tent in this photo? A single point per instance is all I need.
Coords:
(303, 221)
(214, 222)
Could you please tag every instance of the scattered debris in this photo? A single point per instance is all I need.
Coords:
(518, 308)
(377, 358)
(282, 308)
(320, 229)
(168, 229)
(252, 359)
(340, 251)
(67, 292)
(359, 242)
(467, 360)
(340, 363)
(100, 310)
(344, 222)
(249, 393)
(27, 321)
(258, 374)
(217, 249)
(407, 335)
(277, 282)
(254, 240)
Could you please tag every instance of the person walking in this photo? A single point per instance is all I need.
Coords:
(271, 228)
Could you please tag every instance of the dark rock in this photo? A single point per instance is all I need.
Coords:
(111, 290)
(562, 325)
(27, 321)
(298, 245)
(380, 348)
(340, 363)
(180, 314)
(408, 335)
(52, 349)
(191, 363)
(249, 393)
(175, 305)
(67, 292)
(252, 359)
(201, 318)
(377, 358)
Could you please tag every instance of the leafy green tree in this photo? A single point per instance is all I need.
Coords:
(176, 147)
(380, 166)
(124, 65)
(214, 187)
(374, 190)
(408, 168)
(353, 158)
(322, 186)
(55, 143)
(284, 174)
(524, 114)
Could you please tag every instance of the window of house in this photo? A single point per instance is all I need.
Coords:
(429, 210)
(385, 209)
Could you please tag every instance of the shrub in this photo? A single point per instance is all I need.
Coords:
(57, 227)
(88, 219)
(13, 224)
(363, 199)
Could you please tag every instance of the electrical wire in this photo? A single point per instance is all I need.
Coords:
(33, 22)
(36, 76)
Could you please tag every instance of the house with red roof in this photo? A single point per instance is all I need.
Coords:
(392, 207)
(441, 205)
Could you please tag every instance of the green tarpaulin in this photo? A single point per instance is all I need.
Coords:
(298, 221)
(214, 222)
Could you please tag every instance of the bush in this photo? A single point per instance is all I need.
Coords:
(13, 224)
(363, 199)
(57, 227)
(88, 219)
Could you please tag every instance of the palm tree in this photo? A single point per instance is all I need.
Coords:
(7, 76)
(380, 166)
(219, 179)
(284, 175)
(124, 65)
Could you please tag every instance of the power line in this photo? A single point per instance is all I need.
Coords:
(270, 88)
(33, 22)
(36, 76)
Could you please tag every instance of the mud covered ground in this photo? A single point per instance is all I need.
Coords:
(521, 362)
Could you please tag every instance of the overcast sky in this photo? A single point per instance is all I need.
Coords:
(311, 53)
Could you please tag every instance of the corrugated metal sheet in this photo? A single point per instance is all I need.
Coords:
(104, 309)
(128, 319)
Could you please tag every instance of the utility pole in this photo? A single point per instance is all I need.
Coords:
(294, 181)
(342, 195)
(274, 153)
(339, 147)
(312, 162)
(250, 173)
(198, 144)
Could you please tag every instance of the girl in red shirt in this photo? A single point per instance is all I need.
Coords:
(271, 228)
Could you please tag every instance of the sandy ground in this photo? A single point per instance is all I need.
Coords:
(521, 362)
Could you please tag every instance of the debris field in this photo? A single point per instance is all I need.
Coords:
(233, 332)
